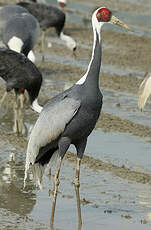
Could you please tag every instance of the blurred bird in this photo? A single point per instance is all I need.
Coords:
(62, 3)
(20, 74)
(49, 16)
(70, 117)
(144, 91)
(20, 34)
(7, 11)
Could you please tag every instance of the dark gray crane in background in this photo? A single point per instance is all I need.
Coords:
(20, 33)
(50, 16)
(20, 74)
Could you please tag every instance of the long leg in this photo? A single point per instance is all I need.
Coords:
(22, 127)
(76, 179)
(80, 147)
(63, 144)
(80, 150)
(43, 44)
(49, 44)
(15, 107)
(19, 127)
(76, 185)
(6, 104)
(3, 99)
(56, 184)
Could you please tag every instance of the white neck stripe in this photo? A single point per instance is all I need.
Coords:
(31, 56)
(96, 29)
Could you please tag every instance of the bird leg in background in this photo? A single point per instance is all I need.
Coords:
(77, 185)
(56, 184)
(6, 104)
(43, 44)
(21, 125)
(3, 99)
(15, 127)
(19, 114)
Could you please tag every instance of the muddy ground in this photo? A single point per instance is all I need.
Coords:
(129, 54)
(121, 49)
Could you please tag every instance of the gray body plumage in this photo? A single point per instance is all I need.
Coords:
(6, 13)
(23, 26)
(66, 119)
(74, 111)
(69, 118)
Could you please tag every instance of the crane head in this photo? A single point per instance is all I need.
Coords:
(62, 3)
(105, 15)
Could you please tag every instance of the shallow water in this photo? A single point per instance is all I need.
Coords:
(125, 105)
(106, 68)
(107, 201)
(113, 201)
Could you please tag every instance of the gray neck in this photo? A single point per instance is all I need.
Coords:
(95, 63)
(91, 77)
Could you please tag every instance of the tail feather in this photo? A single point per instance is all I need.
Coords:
(45, 155)
(144, 91)
(38, 167)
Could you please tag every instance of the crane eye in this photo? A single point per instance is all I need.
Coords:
(103, 15)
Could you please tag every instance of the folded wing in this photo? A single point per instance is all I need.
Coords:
(49, 126)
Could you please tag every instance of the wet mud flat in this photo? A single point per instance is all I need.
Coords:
(115, 181)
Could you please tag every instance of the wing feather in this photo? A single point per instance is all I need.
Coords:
(49, 126)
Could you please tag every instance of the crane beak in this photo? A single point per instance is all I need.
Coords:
(117, 22)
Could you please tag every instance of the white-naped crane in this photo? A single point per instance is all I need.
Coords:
(144, 91)
(20, 33)
(7, 11)
(70, 117)
(20, 74)
(50, 16)
(62, 3)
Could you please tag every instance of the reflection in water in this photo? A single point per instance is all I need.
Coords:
(12, 196)
(145, 202)
(55, 192)
(78, 207)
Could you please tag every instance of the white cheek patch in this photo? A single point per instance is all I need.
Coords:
(35, 106)
(15, 44)
(31, 56)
